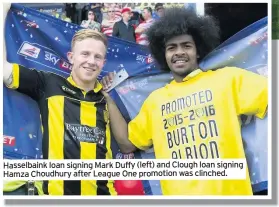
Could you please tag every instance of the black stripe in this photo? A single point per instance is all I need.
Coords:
(71, 145)
(101, 149)
(45, 142)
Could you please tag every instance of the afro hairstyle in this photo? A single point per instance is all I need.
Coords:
(178, 21)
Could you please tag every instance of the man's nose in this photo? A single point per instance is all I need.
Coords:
(91, 60)
(180, 51)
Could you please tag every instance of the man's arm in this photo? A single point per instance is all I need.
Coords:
(251, 92)
(30, 82)
(119, 126)
(139, 30)
(115, 31)
(138, 133)
(8, 67)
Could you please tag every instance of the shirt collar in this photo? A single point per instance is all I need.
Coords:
(98, 85)
(190, 76)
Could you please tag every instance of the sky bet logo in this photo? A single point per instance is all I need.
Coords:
(51, 58)
(8, 140)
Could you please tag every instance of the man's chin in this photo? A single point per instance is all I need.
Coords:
(182, 72)
(89, 79)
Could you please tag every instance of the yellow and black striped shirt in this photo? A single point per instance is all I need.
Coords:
(75, 126)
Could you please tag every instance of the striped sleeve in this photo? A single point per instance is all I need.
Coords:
(28, 81)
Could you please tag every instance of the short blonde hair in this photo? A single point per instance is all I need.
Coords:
(88, 33)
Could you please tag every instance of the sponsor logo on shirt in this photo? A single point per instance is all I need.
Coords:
(64, 88)
(84, 133)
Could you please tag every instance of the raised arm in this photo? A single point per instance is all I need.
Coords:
(15, 76)
(8, 67)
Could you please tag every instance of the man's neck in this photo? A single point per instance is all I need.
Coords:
(125, 21)
(179, 78)
(85, 86)
(148, 19)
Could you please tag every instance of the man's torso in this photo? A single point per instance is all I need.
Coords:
(197, 120)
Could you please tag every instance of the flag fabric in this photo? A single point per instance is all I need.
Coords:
(37, 40)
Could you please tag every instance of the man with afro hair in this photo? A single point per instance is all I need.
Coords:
(197, 115)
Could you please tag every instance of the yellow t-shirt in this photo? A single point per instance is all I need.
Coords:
(199, 118)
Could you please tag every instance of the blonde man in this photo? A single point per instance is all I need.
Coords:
(74, 111)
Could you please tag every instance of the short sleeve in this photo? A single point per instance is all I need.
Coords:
(251, 93)
(28, 81)
(140, 128)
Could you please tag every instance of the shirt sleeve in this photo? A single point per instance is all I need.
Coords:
(140, 128)
(28, 81)
(251, 91)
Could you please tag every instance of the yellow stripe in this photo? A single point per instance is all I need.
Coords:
(56, 139)
(88, 150)
(42, 127)
(88, 114)
(9, 186)
(88, 187)
(110, 183)
(15, 83)
(108, 136)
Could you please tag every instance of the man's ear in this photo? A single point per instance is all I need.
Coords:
(70, 57)
(105, 61)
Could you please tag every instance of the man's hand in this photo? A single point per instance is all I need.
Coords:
(7, 71)
(6, 8)
(107, 81)
(139, 30)
(107, 97)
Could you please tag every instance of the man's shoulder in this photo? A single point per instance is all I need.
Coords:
(230, 71)
(154, 95)
(50, 75)
(119, 22)
(105, 21)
